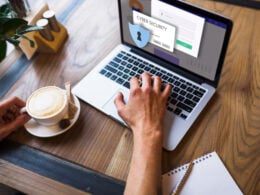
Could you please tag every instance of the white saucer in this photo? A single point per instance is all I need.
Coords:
(49, 131)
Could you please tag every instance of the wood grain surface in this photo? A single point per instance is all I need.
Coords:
(29, 182)
(230, 124)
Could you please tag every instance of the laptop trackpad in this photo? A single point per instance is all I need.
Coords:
(110, 108)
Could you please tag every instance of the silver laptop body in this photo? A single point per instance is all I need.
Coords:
(103, 83)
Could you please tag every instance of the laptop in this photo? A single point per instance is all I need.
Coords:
(183, 44)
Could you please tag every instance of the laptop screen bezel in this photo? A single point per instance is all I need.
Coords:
(198, 11)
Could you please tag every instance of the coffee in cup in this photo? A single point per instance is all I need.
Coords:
(47, 105)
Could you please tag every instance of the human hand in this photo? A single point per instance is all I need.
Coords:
(10, 116)
(146, 107)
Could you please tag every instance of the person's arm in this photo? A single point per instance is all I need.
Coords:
(10, 116)
(144, 113)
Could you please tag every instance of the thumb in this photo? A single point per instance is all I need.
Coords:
(119, 101)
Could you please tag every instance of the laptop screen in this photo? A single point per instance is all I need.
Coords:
(184, 35)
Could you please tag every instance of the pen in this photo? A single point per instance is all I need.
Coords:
(180, 185)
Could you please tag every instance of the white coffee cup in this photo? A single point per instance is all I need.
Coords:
(47, 105)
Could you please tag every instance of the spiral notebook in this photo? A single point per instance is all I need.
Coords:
(208, 176)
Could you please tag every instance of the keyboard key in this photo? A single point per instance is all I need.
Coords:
(163, 71)
(111, 69)
(196, 99)
(114, 77)
(126, 70)
(183, 86)
(170, 109)
(119, 73)
(120, 81)
(103, 71)
(123, 63)
(180, 98)
(120, 55)
(189, 96)
(159, 74)
(108, 74)
(165, 78)
(140, 71)
(184, 107)
(113, 64)
(197, 93)
(153, 72)
(170, 80)
(147, 68)
(183, 116)
(177, 83)
(117, 60)
(139, 60)
(126, 77)
(169, 74)
(134, 68)
(174, 95)
(132, 73)
(130, 60)
(120, 67)
(183, 92)
(127, 85)
(195, 87)
(136, 63)
(189, 103)
(189, 89)
(141, 66)
(173, 101)
(176, 89)
(202, 90)
(129, 65)
(177, 111)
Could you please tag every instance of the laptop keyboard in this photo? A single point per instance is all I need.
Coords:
(184, 97)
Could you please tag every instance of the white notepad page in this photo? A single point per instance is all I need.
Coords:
(209, 176)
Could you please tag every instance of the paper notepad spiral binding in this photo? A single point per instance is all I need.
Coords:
(208, 176)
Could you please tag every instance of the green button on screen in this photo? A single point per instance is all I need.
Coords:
(188, 46)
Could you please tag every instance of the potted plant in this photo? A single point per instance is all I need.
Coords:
(12, 29)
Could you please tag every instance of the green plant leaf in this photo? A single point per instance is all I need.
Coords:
(3, 48)
(27, 29)
(2, 21)
(11, 25)
(11, 29)
(10, 39)
(6, 10)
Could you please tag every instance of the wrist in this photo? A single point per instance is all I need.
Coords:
(150, 139)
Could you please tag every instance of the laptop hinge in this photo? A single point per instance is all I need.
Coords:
(169, 66)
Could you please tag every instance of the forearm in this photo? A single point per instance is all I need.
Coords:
(144, 113)
(145, 172)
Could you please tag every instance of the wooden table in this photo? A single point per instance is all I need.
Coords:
(230, 124)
